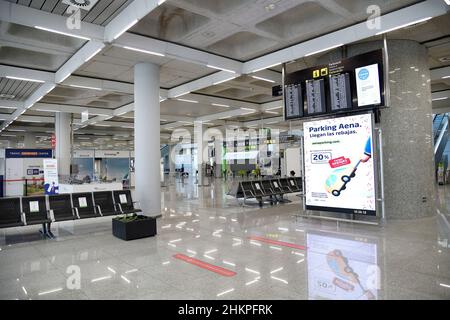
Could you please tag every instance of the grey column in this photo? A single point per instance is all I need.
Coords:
(147, 137)
(29, 141)
(172, 159)
(410, 190)
(201, 144)
(218, 146)
(63, 131)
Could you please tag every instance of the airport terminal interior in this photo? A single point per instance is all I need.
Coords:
(224, 149)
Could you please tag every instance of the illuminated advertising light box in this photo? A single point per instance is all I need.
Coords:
(339, 165)
(342, 268)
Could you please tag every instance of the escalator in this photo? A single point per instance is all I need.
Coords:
(441, 140)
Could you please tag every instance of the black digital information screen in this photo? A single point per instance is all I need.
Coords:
(315, 96)
(293, 101)
(340, 92)
(344, 86)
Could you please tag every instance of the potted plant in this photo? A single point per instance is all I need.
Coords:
(133, 226)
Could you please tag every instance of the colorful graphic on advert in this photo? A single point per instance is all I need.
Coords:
(339, 178)
(51, 189)
(346, 278)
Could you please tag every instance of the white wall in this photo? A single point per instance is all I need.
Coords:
(293, 161)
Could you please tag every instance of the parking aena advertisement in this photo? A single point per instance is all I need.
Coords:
(339, 165)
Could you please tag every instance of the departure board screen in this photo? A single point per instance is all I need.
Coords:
(340, 92)
(315, 92)
(293, 101)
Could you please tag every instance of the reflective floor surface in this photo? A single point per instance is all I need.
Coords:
(209, 247)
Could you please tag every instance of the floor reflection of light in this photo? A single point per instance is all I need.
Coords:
(444, 285)
(298, 253)
(131, 271)
(125, 279)
(176, 240)
(101, 279)
(283, 229)
(24, 290)
(209, 257)
(276, 270)
(191, 251)
(300, 261)
(166, 226)
(275, 248)
(210, 251)
(252, 282)
(112, 270)
(196, 220)
(225, 292)
(172, 245)
(255, 243)
(279, 279)
(50, 291)
(165, 263)
(252, 271)
(229, 263)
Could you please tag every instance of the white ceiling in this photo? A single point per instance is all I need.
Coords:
(229, 33)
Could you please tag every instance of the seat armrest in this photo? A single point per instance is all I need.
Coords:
(99, 210)
(77, 214)
(120, 207)
(51, 215)
(138, 203)
(24, 218)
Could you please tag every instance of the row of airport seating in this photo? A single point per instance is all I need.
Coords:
(271, 189)
(35, 210)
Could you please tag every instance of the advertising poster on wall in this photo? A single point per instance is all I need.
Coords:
(51, 184)
(342, 269)
(339, 165)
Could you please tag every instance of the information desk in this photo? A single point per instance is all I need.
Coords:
(91, 187)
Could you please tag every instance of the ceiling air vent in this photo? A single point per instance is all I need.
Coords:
(82, 4)
(444, 59)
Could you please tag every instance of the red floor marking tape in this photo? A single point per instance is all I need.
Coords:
(205, 265)
(278, 243)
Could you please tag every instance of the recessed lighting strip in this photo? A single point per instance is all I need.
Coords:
(24, 79)
(63, 33)
(144, 51)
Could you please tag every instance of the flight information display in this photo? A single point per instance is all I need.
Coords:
(293, 101)
(340, 92)
(315, 93)
(341, 87)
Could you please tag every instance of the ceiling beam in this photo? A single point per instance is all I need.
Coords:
(134, 12)
(26, 16)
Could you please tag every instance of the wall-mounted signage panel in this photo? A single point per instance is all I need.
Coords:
(339, 165)
(343, 86)
(368, 85)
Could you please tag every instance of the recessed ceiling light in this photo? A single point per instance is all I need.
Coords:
(263, 79)
(144, 51)
(220, 105)
(186, 100)
(63, 33)
(85, 87)
(7, 96)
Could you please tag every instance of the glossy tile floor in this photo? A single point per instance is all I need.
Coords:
(272, 254)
